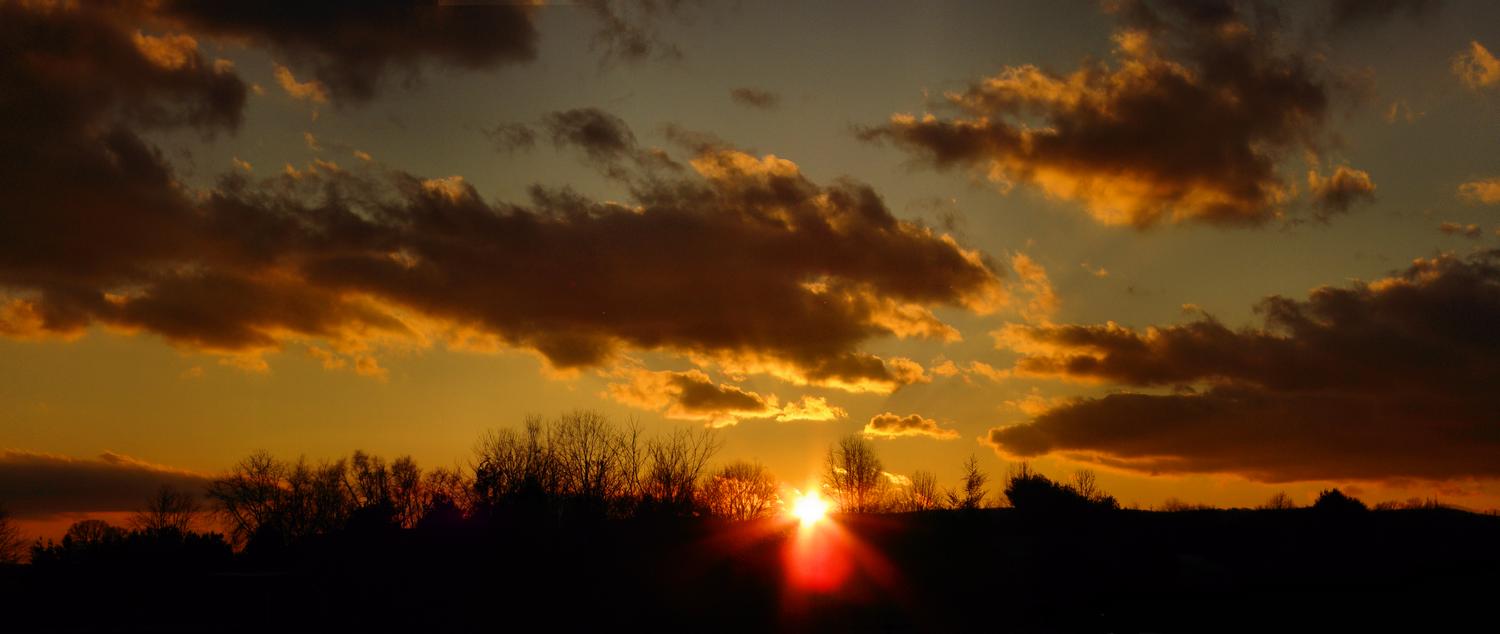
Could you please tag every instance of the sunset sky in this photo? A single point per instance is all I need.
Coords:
(1210, 251)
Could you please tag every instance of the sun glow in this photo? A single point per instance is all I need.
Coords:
(810, 508)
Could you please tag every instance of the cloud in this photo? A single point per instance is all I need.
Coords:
(1346, 14)
(1033, 283)
(1400, 111)
(1457, 229)
(1476, 67)
(810, 408)
(692, 395)
(755, 98)
(625, 29)
(604, 137)
(1190, 123)
(889, 425)
(350, 48)
(1387, 379)
(511, 137)
(37, 485)
(1485, 191)
(312, 90)
(1336, 193)
(741, 259)
(89, 203)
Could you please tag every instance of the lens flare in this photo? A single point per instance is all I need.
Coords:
(810, 508)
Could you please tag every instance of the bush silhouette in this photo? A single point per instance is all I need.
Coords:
(1028, 490)
(1334, 501)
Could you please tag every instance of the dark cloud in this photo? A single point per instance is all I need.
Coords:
(692, 395)
(1345, 14)
(1336, 193)
(351, 45)
(511, 137)
(37, 485)
(889, 425)
(603, 136)
(1388, 379)
(746, 263)
(88, 203)
(626, 30)
(1189, 123)
(755, 98)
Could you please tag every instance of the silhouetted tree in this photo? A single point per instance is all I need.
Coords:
(1086, 484)
(971, 491)
(249, 498)
(923, 493)
(675, 465)
(592, 460)
(92, 532)
(1029, 490)
(740, 490)
(852, 474)
(1278, 502)
(11, 544)
(516, 469)
(1334, 501)
(168, 509)
(447, 489)
(1175, 505)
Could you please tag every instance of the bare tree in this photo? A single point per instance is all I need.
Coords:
(676, 464)
(168, 509)
(741, 491)
(852, 473)
(1279, 502)
(1086, 483)
(923, 494)
(971, 491)
(590, 456)
(90, 532)
(449, 488)
(11, 542)
(510, 464)
(250, 496)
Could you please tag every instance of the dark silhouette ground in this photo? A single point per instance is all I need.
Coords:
(984, 570)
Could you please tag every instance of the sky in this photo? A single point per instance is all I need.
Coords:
(1211, 251)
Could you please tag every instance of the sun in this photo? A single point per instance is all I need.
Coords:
(810, 508)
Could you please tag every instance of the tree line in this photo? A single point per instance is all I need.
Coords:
(578, 466)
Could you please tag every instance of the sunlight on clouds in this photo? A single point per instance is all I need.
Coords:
(1486, 191)
(1476, 67)
(171, 52)
(311, 90)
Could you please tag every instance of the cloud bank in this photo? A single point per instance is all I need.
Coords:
(1191, 122)
(1381, 380)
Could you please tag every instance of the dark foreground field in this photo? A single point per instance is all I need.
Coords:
(990, 570)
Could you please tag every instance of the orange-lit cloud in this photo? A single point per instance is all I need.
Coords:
(1476, 67)
(1190, 123)
(1486, 191)
(312, 90)
(890, 425)
(1387, 379)
(1458, 229)
(1337, 192)
(692, 395)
